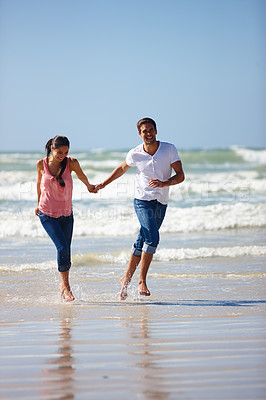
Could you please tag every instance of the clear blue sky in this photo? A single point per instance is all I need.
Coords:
(90, 69)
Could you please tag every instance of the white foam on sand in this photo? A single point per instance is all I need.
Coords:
(164, 254)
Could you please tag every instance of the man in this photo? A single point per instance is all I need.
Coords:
(154, 161)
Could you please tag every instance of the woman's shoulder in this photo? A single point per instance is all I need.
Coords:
(40, 164)
(71, 159)
(73, 163)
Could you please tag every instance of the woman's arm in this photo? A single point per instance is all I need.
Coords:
(39, 178)
(74, 166)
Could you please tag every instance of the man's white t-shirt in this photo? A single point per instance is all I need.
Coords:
(150, 167)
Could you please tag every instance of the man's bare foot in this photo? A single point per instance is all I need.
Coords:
(124, 286)
(66, 294)
(143, 290)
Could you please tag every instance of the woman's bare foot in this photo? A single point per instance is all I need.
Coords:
(66, 294)
(124, 285)
(143, 290)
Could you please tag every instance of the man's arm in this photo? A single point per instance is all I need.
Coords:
(116, 173)
(174, 180)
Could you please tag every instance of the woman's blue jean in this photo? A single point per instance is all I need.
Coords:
(150, 215)
(60, 231)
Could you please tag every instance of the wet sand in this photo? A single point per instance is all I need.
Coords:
(194, 338)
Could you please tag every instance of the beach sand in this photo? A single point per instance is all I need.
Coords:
(201, 335)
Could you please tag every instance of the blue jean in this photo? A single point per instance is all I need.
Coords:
(60, 231)
(150, 215)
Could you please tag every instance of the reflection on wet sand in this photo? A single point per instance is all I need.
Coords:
(150, 376)
(58, 377)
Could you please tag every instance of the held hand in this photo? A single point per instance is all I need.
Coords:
(155, 183)
(92, 189)
(99, 186)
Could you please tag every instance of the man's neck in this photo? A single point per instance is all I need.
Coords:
(151, 148)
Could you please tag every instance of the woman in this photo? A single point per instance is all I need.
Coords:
(54, 189)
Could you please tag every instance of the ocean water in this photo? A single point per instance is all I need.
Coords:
(215, 219)
(201, 333)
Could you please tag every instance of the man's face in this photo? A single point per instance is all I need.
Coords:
(148, 133)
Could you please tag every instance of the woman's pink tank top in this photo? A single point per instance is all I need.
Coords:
(56, 200)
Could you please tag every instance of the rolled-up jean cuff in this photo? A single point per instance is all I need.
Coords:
(149, 249)
(64, 268)
(136, 252)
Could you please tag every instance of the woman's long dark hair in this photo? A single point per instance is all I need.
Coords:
(57, 142)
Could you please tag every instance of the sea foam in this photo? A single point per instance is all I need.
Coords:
(251, 155)
(119, 221)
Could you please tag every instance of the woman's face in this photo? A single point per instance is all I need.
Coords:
(60, 153)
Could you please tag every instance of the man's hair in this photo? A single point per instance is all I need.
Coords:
(146, 120)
